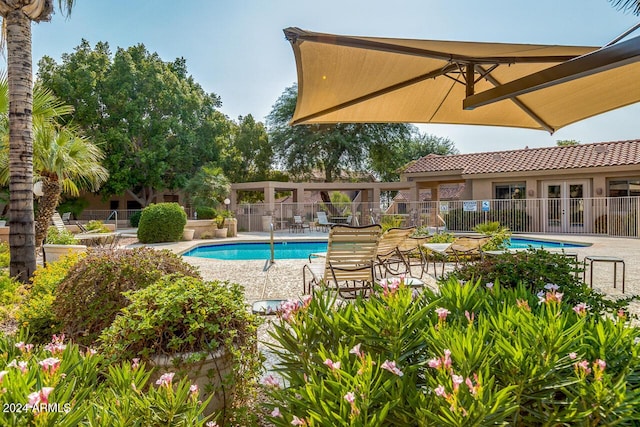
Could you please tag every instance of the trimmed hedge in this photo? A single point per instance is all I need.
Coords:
(162, 222)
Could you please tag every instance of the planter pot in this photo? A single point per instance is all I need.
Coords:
(201, 226)
(3, 223)
(209, 374)
(54, 252)
(221, 233)
(188, 234)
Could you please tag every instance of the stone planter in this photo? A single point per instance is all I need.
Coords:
(188, 233)
(201, 226)
(54, 252)
(209, 374)
(221, 233)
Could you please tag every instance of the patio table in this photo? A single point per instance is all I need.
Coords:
(439, 248)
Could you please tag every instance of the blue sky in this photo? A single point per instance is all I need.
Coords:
(236, 48)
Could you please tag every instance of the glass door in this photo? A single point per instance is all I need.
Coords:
(564, 206)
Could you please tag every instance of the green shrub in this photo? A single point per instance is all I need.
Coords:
(178, 315)
(75, 206)
(499, 235)
(97, 226)
(9, 297)
(134, 218)
(75, 387)
(60, 237)
(205, 212)
(4, 255)
(468, 355)
(162, 222)
(536, 268)
(90, 296)
(36, 309)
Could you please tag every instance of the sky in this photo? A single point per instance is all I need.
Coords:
(237, 50)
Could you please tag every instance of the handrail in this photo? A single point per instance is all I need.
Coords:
(113, 213)
(272, 246)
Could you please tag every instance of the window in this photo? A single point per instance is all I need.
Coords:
(171, 198)
(510, 191)
(624, 187)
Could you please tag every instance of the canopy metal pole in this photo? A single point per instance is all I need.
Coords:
(623, 35)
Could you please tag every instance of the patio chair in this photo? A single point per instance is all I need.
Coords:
(298, 224)
(66, 217)
(349, 262)
(323, 221)
(462, 250)
(58, 222)
(414, 253)
(389, 259)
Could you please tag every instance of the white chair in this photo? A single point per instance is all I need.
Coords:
(323, 221)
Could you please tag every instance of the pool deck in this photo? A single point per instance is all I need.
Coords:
(283, 279)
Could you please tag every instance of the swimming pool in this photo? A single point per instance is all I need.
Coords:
(244, 251)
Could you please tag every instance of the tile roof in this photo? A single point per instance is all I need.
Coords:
(599, 154)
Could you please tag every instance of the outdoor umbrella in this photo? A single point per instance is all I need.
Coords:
(349, 79)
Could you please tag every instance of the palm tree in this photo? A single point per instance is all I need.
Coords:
(17, 16)
(627, 5)
(63, 160)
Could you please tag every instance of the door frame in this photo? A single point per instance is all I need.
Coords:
(566, 206)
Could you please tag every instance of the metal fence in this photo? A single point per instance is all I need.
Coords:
(612, 216)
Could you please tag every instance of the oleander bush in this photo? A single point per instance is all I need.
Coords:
(469, 355)
(36, 300)
(60, 384)
(162, 222)
(536, 268)
(189, 319)
(89, 297)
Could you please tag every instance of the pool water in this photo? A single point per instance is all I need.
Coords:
(249, 251)
(522, 243)
(301, 250)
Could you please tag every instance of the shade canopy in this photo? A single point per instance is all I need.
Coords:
(348, 79)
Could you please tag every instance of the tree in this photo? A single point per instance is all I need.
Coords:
(16, 23)
(333, 148)
(63, 161)
(157, 124)
(208, 187)
(627, 5)
(248, 155)
(388, 159)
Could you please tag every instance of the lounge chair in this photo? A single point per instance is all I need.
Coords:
(389, 259)
(323, 221)
(58, 222)
(349, 263)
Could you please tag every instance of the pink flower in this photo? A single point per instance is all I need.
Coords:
(356, 350)
(470, 317)
(390, 286)
(472, 388)
(489, 286)
(442, 313)
(523, 304)
(600, 364)
(581, 309)
(193, 389)
(583, 367)
(447, 359)
(212, 424)
(440, 391)
(350, 397)
(56, 345)
(91, 352)
(39, 397)
(135, 363)
(50, 365)
(391, 367)
(2, 374)
(457, 380)
(25, 348)
(598, 369)
(622, 314)
(276, 413)
(271, 381)
(573, 355)
(435, 363)
(551, 287)
(165, 379)
(332, 365)
(298, 421)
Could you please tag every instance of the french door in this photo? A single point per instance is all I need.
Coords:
(564, 206)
